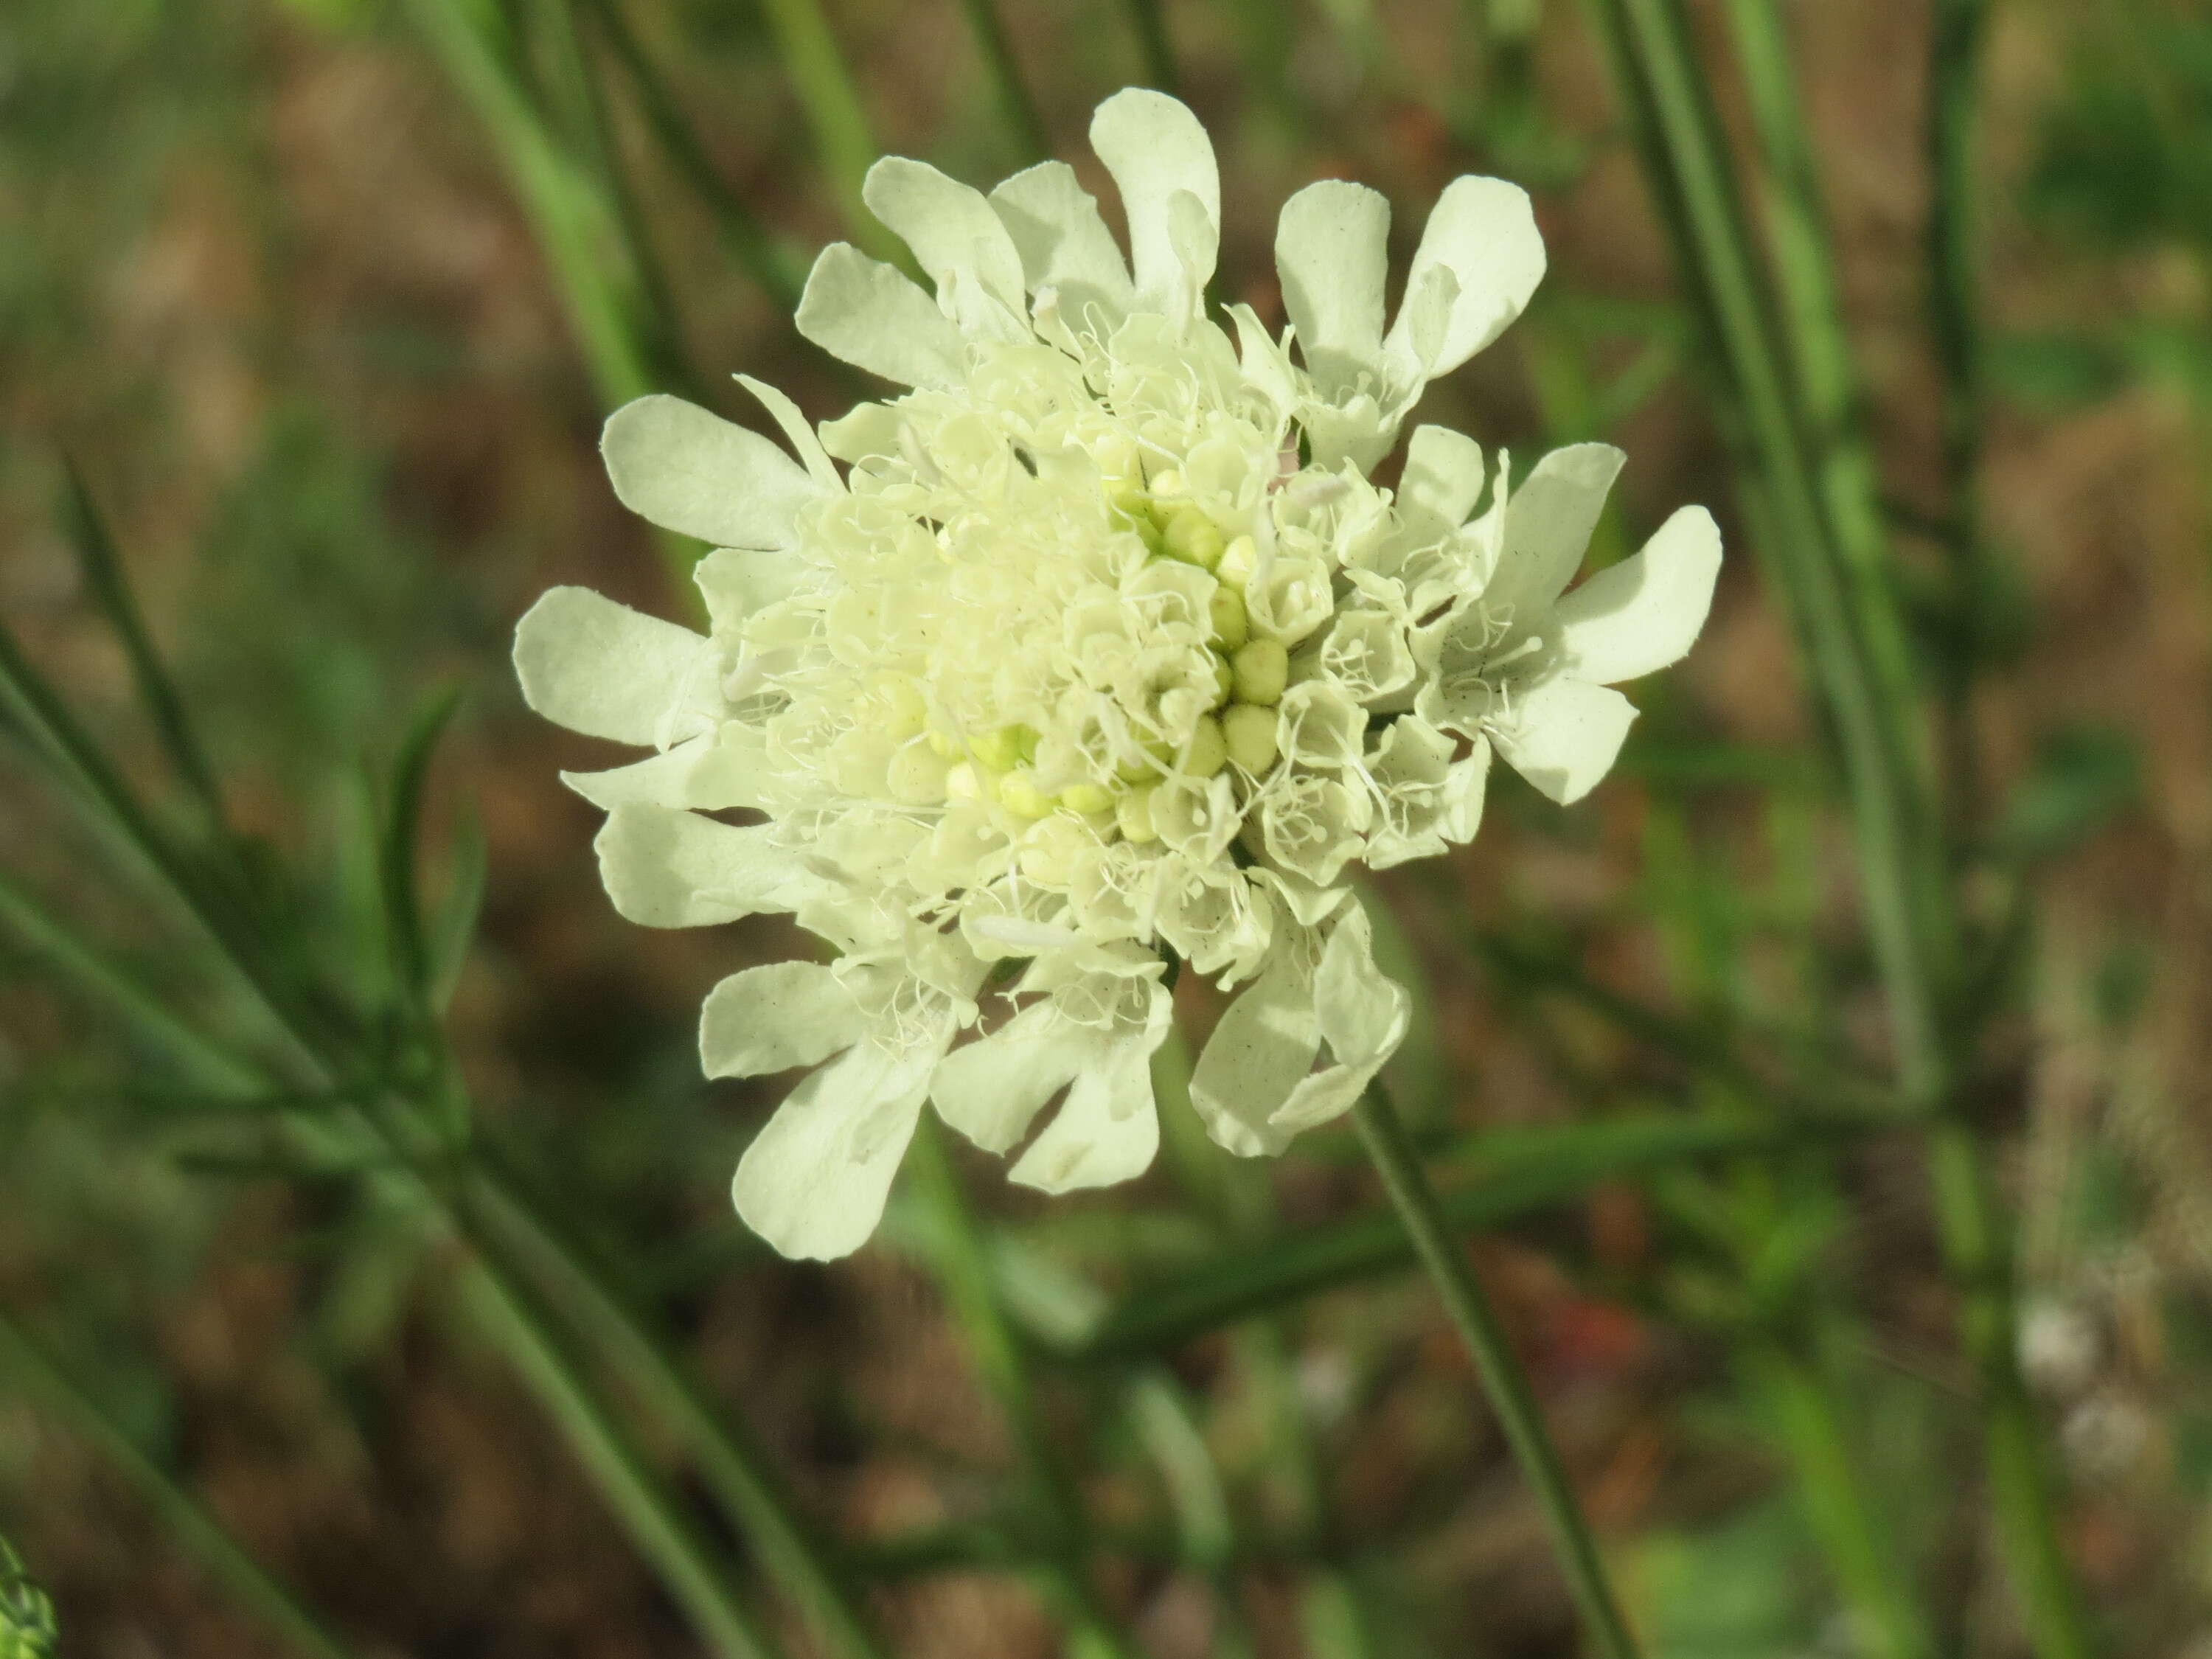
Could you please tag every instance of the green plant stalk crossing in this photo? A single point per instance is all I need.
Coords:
(661, 1532)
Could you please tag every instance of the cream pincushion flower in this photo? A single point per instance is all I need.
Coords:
(1102, 647)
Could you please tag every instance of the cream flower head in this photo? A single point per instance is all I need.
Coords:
(1103, 651)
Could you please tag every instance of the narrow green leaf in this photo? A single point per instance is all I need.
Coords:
(396, 852)
(101, 566)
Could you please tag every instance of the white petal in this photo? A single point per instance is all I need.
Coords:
(1443, 473)
(665, 868)
(1361, 1011)
(1548, 522)
(772, 1019)
(687, 470)
(1063, 238)
(1156, 149)
(1107, 1131)
(814, 1180)
(1563, 735)
(949, 224)
(1464, 787)
(994, 1088)
(1643, 613)
(609, 672)
(868, 314)
(662, 780)
(803, 437)
(1332, 252)
(737, 582)
(1483, 232)
(1264, 1043)
(706, 773)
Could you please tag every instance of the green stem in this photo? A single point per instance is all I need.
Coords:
(241, 1576)
(1812, 311)
(1148, 22)
(577, 225)
(1953, 77)
(1015, 102)
(963, 1271)
(1908, 905)
(742, 235)
(662, 1533)
(825, 92)
(1910, 911)
(1801, 1404)
(1511, 1397)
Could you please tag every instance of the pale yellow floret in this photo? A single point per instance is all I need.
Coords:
(1193, 538)
(918, 774)
(1019, 794)
(1134, 812)
(964, 782)
(1088, 798)
(1224, 680)
(1263, 669)
(1248, 729)
(1208, 751)
(1005, 749)
(1226, 612)
(1238, 561)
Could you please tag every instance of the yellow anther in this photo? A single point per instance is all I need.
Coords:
(1250, 731)
(1263, 668)
(1168, 480)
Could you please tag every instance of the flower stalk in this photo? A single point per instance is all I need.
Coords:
(1511, 1397)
